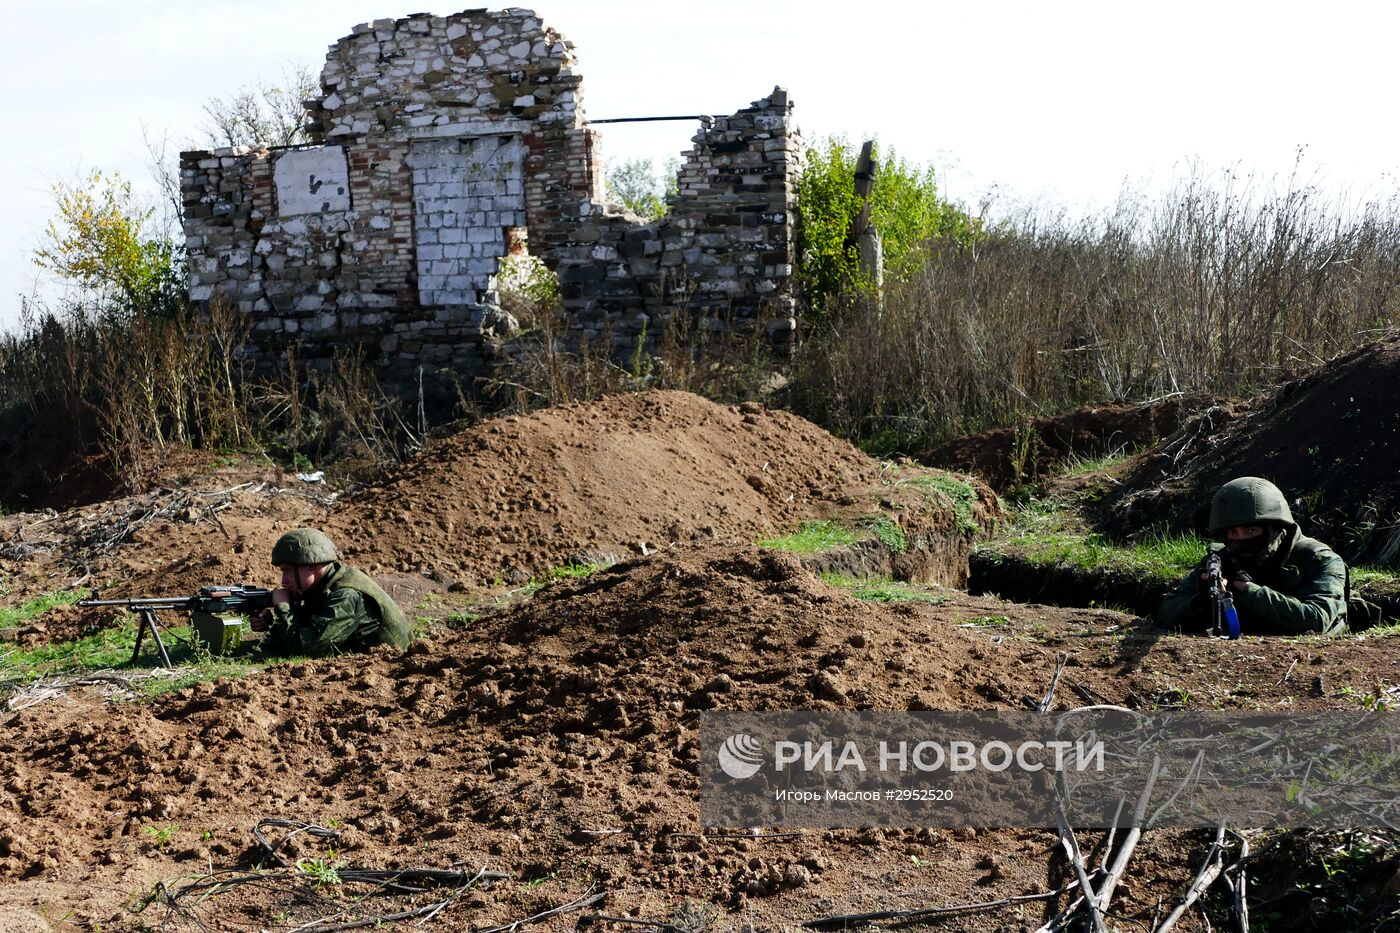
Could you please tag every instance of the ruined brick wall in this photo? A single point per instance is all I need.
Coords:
(439, 140)
(724, 253)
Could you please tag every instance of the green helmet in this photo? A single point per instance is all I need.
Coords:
(1248, 500)
(303, 546)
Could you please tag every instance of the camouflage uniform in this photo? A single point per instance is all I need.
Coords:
(1298, 586)
(346, 611)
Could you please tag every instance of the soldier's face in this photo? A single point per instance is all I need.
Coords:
(1252, 544)
(300, 578)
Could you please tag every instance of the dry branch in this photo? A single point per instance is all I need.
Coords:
(1211, 868)
(918, 913)
(582, 902)
(1076, 858)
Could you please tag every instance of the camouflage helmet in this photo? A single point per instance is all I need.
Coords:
(303, 546)
(1248, 500)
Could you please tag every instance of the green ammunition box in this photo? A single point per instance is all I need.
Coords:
(218, 632)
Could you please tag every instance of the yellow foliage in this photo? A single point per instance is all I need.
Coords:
(96, 242)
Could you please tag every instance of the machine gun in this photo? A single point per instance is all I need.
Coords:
(1224, 620)
(216, 615)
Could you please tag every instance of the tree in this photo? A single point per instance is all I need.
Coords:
(635, 184)
(267, 114)
(100, 243)
(904, 207)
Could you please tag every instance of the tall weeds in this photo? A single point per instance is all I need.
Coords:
(719, 357)
(128, 388)
(1219, 287)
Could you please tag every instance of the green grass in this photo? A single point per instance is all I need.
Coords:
(812, 538)
(108, 648)
(13, 616)
(1366, 575)
(889, 532)
(111, 649)
(986, 621)
(562, 572)
(161, 835)
(1385, 630)
(1165, 556)
(324, 871)
(1076, 465)
(1044, 532)
(883, 589)
(961, 493)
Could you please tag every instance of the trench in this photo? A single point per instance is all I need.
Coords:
(1019, 580)
(927, 558)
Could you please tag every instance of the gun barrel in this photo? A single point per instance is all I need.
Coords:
(1217, 604)
(172, 602)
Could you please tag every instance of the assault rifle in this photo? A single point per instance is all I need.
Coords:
(216, 615)
(1224, 620)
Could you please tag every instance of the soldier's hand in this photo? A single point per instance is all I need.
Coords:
(1239, 578)
(261, 620)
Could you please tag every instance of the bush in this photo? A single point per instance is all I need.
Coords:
(99, 245)
(904, 207)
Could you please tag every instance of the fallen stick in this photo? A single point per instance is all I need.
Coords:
(1061, 660)
(1210, 870)
(752, 837)
(1120, 861)
(918, 912)
(1076, 859)
(1130, 841)
(1063, 919)
(1194, 771)
(1238, 888)
(579, 904)
(1112, 832)
(631, 921)
(429, 909)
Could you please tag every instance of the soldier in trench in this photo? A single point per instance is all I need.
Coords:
(324, 606)
(1282, 582)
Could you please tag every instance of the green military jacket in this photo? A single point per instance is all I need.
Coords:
(347, 612)
(1306, 594)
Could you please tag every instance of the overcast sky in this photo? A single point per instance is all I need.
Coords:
(1064, 101)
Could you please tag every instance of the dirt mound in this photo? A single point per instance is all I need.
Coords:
(219, 529)
(496, 503)
(558, 741)
(1330, 441)
(507, 499)
(1007, 456)
(618, 477)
